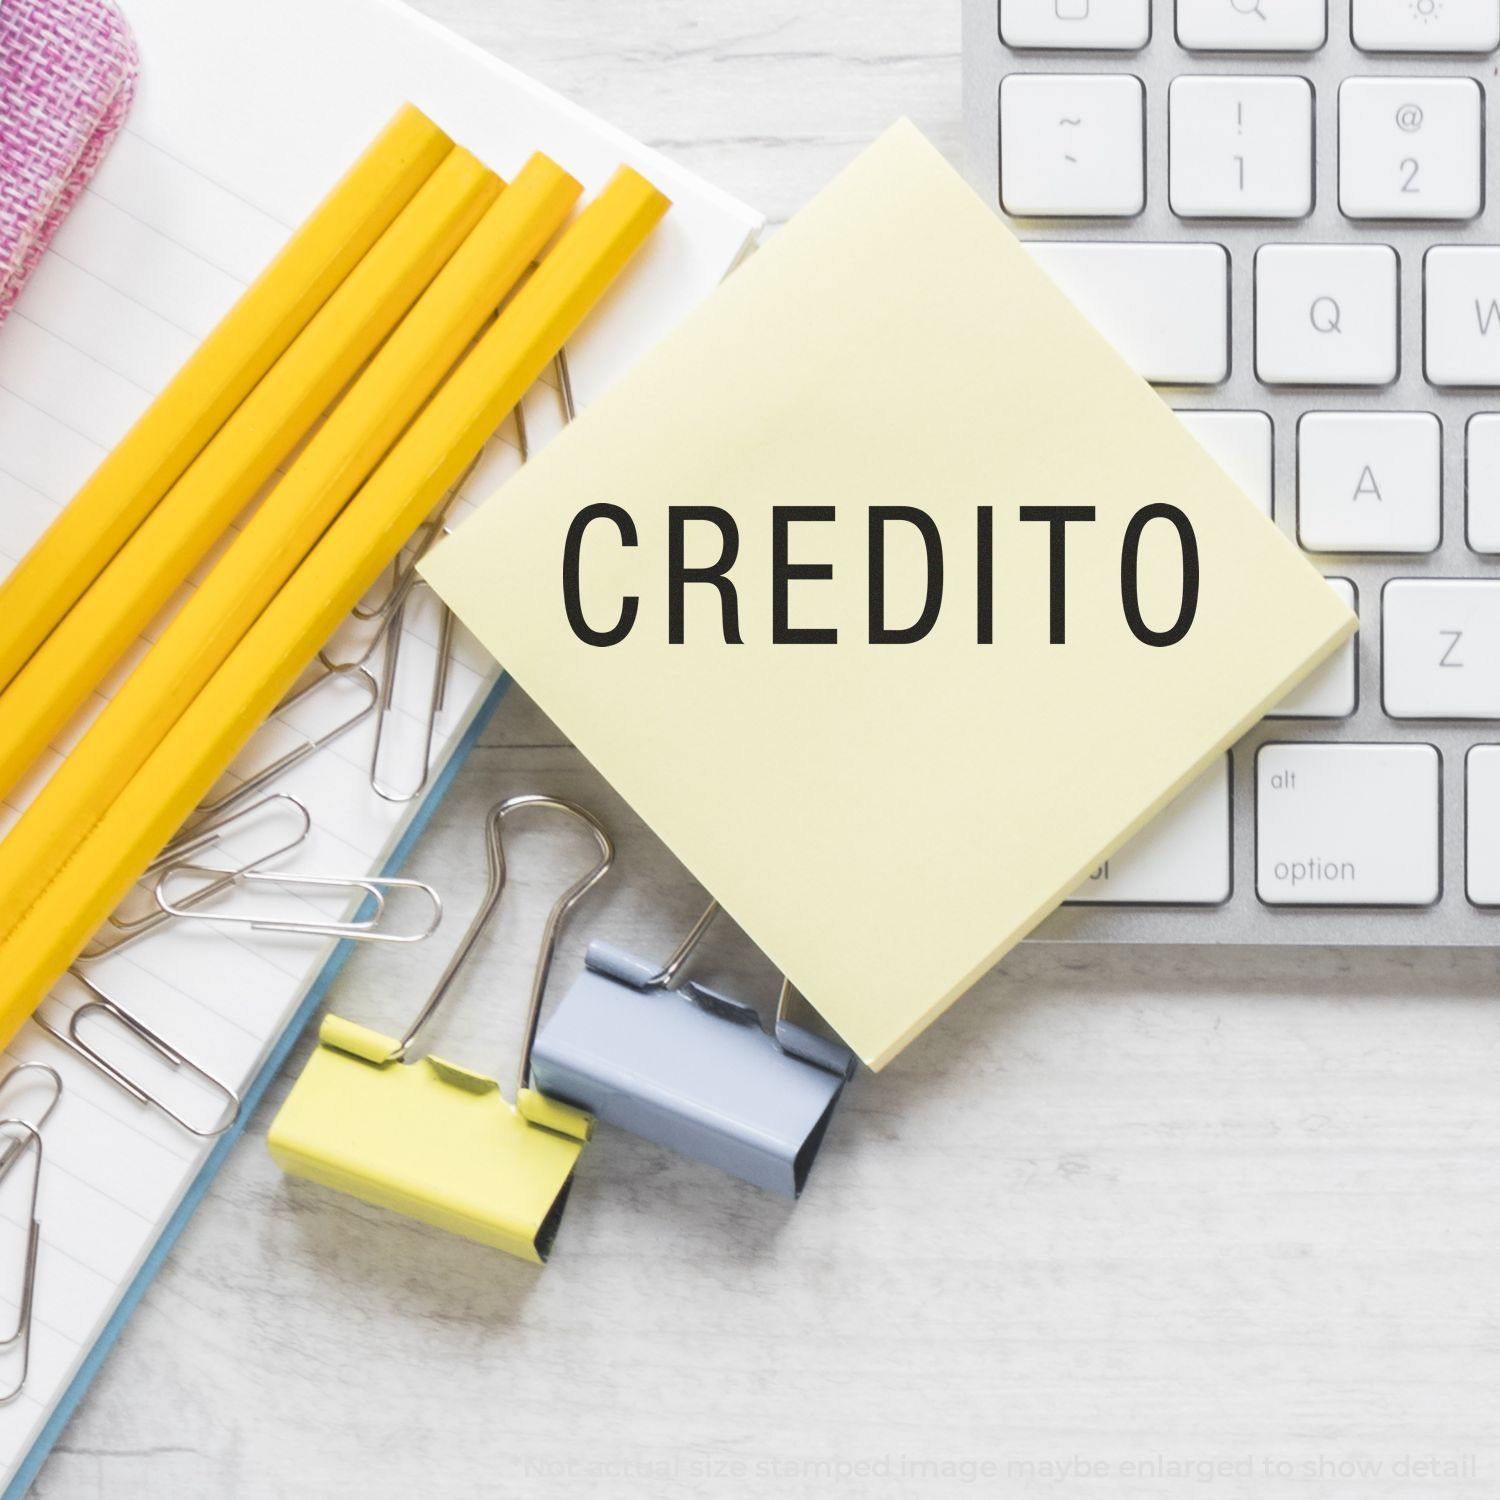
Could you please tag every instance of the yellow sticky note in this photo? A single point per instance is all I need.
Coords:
(888, 783)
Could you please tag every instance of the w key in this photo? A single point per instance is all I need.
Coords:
(1441, 648)
(1463, 315)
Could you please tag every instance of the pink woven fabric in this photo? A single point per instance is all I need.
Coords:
(67, 75)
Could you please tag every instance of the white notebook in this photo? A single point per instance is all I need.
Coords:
(245, 115)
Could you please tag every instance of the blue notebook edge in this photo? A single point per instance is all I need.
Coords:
(63, 1411)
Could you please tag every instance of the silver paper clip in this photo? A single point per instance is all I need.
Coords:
(691, 1068)
(364, 927)
(565, 395)
(13, 1148)
(391, 614)
(403, 577)
(436, 697)
(565, 385)
(20, 1136)
(390, 620)
(311, 744)
(101, 1004)
(125, 929)
(23, 1136)
(215, 818)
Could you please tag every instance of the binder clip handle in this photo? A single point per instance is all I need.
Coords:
(799, 1040)
(666, 977)
(792, 1033)
(561, 908)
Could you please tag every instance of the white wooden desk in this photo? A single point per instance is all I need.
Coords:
(1119, 1208)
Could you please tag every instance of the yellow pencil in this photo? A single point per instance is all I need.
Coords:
(340, 456)
(267, 425)
(226, 367)
(60, 917)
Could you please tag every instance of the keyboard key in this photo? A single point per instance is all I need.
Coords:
(1240, 443)
(1483, 469)
(1440, 644)
(1463, 315)
(1102, 25)
(1242, 148)
(1164, 307)
(1411, 148)
(1427, 25)
(1369, 482)
(1326, 315)
(1348, 825)
(1252, 25)
(1181, 858)
(1072, 145)
(1332, 692)
(1482, 824)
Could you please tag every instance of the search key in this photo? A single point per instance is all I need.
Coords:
(1326, 315)
(1252, 25)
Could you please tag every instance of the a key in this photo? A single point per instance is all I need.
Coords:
(1251, 25)
(1482, 824)
(1369, 482)
(1483, 471)
(1463, 315)
(1164, 307)
(1411, 148)
(1326, 315)
(1098, 25)
(1181, 857)
(1427, 25)
(1331, 692)
(1241, 148)
(1240, 443)
(1071, 145)
(1440, 648)
(1348, 825)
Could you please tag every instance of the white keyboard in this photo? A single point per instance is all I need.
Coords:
(1280, 212)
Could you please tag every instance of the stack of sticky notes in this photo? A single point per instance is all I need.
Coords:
(889, 596)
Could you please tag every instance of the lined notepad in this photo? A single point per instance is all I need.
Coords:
(245, 115)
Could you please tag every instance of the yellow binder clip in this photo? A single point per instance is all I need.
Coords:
(433, 1140)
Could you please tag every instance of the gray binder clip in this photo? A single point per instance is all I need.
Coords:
(691, 1068)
